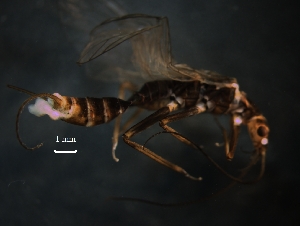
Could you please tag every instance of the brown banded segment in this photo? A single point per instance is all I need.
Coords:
(68, 103)
(96, 111)
(114, 107)
(91, 111)
(65, 105)
(102, 110)
(78, 112)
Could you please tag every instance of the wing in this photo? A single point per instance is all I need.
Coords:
(80, 17)
(143, 36)
(151, 49)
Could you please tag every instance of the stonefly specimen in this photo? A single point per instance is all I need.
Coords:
(171, 87)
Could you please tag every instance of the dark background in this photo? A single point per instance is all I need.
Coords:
(255, 42)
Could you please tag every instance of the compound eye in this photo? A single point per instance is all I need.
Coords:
(262, 131)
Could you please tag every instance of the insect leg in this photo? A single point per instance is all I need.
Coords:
(144, 124)
(129, 122)
(116, 133)
(175, 117)
(230, 145)
(124, 86)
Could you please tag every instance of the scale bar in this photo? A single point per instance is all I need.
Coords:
(65, 152)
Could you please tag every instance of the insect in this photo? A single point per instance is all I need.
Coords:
(174, 91)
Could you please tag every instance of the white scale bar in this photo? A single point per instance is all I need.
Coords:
(65, 152)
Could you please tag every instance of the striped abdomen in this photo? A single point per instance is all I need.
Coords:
(87, 111)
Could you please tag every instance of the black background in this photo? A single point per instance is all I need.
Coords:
(255, 42)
